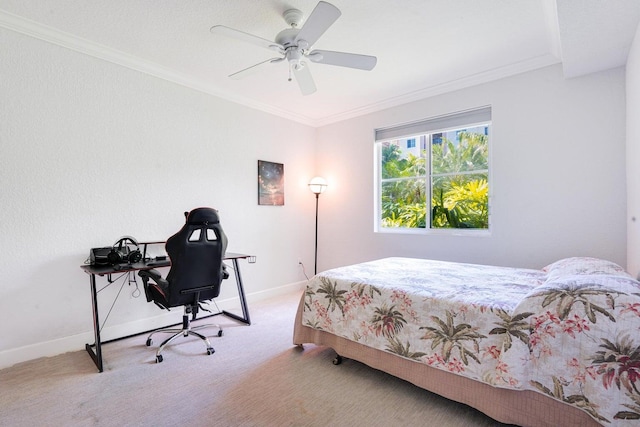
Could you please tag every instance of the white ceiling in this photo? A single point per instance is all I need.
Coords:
(424, 47)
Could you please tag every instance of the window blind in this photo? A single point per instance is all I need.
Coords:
(449, 121)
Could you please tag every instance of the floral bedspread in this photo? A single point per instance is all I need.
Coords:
(570, 330)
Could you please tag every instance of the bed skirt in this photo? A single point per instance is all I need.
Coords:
(524, 408)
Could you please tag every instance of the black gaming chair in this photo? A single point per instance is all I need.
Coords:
(197, 270)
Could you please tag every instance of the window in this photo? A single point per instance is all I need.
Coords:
(442, 182)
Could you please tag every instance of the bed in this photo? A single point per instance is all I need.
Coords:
(557, 346)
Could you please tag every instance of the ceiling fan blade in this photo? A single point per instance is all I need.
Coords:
(322, 17)
(343, 59)
(246, 37)
(304, 79)
(250, 70)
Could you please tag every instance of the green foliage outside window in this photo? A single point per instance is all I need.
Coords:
(459, 184)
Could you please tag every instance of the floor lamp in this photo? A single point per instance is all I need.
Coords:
(317, 185)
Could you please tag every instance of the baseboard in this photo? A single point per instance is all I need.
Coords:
(77, 342)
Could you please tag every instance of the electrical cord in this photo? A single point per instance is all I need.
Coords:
(136, 292)
(303, 270)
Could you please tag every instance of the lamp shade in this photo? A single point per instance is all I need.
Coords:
(317, 185)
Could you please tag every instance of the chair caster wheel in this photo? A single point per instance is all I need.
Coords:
(210, 351)
(159, 358)
(220, 333)
(149, 342)
(337, 360)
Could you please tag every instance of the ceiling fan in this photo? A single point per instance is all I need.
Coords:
(294, 44)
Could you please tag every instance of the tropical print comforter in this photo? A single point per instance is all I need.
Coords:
(570, 330)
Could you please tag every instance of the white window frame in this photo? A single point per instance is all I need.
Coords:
(463, 119)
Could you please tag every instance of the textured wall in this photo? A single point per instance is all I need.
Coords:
(557, 175)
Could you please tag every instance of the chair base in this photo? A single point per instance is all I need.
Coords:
(185, 331)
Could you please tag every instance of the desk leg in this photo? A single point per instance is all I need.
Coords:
(97, 354)
(243, 300)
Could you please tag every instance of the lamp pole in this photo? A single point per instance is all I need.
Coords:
(317, 185)
(315, 265)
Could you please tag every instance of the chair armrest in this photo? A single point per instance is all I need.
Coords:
(157, 291)
(154, 275)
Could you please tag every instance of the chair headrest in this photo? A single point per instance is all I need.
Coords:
(203, 216)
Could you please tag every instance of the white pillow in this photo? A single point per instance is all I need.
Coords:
(583, 266)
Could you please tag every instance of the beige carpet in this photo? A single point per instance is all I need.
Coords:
(255, 378)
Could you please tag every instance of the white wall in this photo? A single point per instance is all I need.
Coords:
(633, 155)
(557, 175)
(91, 151)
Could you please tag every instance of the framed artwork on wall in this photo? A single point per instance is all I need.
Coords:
(270, 183)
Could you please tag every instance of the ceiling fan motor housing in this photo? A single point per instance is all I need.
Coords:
(287, 38)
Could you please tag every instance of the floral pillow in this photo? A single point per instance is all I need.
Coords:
(583, 266)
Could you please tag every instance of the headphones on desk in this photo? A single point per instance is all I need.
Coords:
(126, 249)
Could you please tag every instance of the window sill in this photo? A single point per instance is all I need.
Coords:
(435, 232)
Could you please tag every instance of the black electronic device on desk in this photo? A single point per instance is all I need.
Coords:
(125, 251)
(128, 254)
(159, 261)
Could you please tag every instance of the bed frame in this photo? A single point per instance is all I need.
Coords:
(525, 408)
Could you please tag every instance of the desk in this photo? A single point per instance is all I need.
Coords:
(95, 349)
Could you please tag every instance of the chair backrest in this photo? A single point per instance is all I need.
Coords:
(196, 253)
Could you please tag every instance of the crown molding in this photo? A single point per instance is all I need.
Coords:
(445, 87)
(51, 35)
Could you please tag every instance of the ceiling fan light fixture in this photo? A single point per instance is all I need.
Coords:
(294, 55)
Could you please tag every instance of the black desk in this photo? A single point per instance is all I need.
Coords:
(95, 349)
